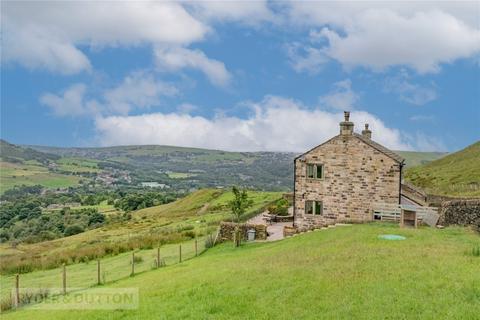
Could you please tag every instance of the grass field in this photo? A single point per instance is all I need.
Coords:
(457, 174)
(14, 174)
(102, 207)
(340, 273)
(80, 165)
(180, 175)
(84, 275)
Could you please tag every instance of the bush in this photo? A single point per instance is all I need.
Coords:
(137, 259)
(4, 236)
(189, 234)
(185, 228)
(282, 211)
(73, 229)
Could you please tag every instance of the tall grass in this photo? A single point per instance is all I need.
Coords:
(476, 251)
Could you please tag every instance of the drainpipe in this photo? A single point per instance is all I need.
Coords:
(400, 183)
(294, 182)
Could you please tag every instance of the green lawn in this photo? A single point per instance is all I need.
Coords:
(339, 273)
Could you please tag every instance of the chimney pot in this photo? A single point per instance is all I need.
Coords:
(367, 133)
(346, 127)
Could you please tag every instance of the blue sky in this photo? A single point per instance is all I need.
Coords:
(241, 76)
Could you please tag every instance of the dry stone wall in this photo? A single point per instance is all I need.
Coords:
(227, 230)
(461, 212)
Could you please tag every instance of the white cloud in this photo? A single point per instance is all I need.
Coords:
(306, 58)
(69, 103)
(381, 35)
(429, 144)
(409, 92)
(177, 58)
(47, 34)
(138, 90)
(342, 97)
(246, 12)
(276, 124)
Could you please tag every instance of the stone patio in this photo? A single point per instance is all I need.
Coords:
(275, 230)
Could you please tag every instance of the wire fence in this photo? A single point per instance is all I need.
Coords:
(95, 272)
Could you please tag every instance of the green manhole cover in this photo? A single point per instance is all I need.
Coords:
(391, 237)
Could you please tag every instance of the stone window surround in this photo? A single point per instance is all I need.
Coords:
(315, 170)
(314, 214)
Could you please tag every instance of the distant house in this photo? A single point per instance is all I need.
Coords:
(341, 179)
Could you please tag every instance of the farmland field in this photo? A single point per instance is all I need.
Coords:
(344, 272)
(14, 174)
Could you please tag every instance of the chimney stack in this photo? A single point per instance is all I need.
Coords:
(346, 127)
(367, 133)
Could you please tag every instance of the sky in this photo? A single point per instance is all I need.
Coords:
(240, 76)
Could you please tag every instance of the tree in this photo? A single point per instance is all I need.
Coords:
(239, 204)
(73, 229)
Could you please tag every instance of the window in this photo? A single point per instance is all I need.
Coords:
(314, 207)
(310, 171)
(309, 207)
(314, 171)
(319, 171)
(318, 207)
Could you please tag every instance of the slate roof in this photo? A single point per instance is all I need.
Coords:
(380, 148)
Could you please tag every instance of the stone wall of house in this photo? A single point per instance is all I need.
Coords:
(461, 212)
(356, 175)
(227, 230)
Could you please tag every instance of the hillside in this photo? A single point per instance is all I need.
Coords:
(339, 273)
(163, 167)
(457, 174)
(26, 166)
(32, 173)
(416, 158)
(194, 215)
(13, 153)
(185, 168)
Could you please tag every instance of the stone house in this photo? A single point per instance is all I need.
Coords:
(341, 179)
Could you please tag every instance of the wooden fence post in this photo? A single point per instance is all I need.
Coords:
(180, 253)
(158, 257)
(133, 264)
(196, 247)
(17, 290)
(98, 272)
(64, 279)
